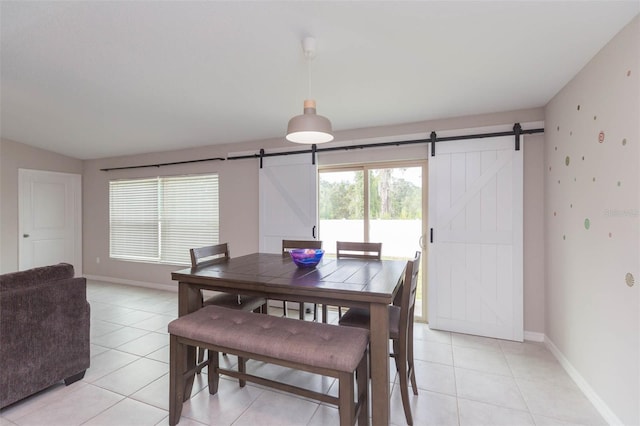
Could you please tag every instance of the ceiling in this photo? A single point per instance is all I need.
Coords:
(99, 79)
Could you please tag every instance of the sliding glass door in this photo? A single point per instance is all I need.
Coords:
(379, 203)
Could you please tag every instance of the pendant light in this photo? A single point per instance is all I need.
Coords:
(309, 128)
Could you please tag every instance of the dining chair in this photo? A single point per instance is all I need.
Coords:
(300, 244)
(356, 250)
(400, 330)
(210, 255)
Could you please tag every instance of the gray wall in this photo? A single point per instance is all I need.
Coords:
(239, 196)
(592, 201)
(14, 156)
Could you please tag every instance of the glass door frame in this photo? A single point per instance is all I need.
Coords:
(365, 168)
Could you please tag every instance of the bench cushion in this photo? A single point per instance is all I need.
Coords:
(310, 343)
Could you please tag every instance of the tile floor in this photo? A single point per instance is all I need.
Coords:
(462, 380)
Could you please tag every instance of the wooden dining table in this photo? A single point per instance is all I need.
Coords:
(372, 284)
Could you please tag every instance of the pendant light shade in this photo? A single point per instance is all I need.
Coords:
(309, 127)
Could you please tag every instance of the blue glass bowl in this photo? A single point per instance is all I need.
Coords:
(306, 258)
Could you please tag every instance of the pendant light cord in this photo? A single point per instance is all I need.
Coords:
(309, 59)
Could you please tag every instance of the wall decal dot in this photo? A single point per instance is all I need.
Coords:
(601, 137)
(571, 133)
(610, 235)
(549, 168)
(629, 279)
(564, 237)
(594, 179)
(558, 180)
(595, 117)
(567, 160)
(628, 73)
(619, 183)
(556, 148)
(554, 213)
(624, 142)
(575, 179)
(571, 205)
(558, 128)
(587, 223)
(583, 158)
(578, 107)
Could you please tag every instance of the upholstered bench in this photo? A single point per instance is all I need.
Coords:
(318, 348)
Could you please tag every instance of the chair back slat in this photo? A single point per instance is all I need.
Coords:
(209, 255)
(299, 244)
(358, 250)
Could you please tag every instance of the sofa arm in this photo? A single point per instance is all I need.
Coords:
(44, 335)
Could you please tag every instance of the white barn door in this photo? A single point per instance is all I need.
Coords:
(288, 200)
(476, 257)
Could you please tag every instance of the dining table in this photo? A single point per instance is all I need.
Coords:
(347, 282)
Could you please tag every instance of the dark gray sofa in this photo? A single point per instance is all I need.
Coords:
(44, 330)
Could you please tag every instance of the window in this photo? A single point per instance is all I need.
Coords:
(380, 202)
(160, 219)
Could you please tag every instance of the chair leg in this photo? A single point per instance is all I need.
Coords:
(284, 308)
(301, 308)
(324, 313)
(412, 374)
(401, 362)
(242, 368)
(213, 364)
(200, 363)
(315, 312)
(362, 374)
(396, 353)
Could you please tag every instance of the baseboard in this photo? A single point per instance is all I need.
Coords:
(156, 286)
(533, 336)
(604, 410)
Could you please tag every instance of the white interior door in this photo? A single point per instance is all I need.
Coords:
(288, 200)
(475, 260)
(50, 219)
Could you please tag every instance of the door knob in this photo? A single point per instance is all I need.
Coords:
(25, 235)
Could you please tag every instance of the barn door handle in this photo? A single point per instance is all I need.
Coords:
(313, 232)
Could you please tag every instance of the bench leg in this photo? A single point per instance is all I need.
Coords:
(213, 367)
(346, 406)
(176, 379)
(362, 377)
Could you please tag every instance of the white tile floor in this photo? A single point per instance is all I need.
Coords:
(462, 380)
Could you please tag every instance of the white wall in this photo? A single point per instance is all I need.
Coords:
(592, 221)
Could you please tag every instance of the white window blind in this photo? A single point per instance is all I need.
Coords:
(160, 219)
(189, 218)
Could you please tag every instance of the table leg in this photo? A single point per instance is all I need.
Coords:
(379, 346)
(188, 301)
